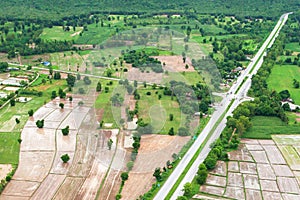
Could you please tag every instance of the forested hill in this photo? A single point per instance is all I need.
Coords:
(57, 9)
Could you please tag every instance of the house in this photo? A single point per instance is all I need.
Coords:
(46, 63)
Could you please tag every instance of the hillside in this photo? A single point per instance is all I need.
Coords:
(57, 9)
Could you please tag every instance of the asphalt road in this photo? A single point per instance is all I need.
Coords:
(236, 94)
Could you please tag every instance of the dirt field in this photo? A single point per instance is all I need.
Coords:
(267, 176)
(175, 63)
(154, 152)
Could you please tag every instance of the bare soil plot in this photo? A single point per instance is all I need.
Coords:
(235, 179)
(271, 195)
(219, 191)
(175, 63)
(66, 142)
(220, 169)
(5, 197)
(268, 185)
(247, 168)
(233, 166)
(69, 188)
(155, 150)
(49, 187)
(297, 176)
(20, 188)
(75, 118)
(251, 181)
(253, 194)
(92, 182)
(38, 139)
(235, 192)
(254, 147)
(266, 142)
(240, 154)
(111, 186)
(288, 185)
(149, 77)
(216, 180)
(249, 141)
(274, 154)
(259, 156)
(282, 170)
(57, 115)
(35, 166)
(4, 170)
(41, 113)
(291, 196)
(265, 171)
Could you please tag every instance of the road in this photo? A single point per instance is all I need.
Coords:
(237, 93)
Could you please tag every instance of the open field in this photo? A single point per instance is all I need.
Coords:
(57, 33)
(157, 111)
(267, 177)
(155, 150)
(282, 77)
(264, 127)
(293, 46)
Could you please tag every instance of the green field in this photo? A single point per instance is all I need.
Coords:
(9, 148)
(282, 77)
(103, 103)
(95, 34)
(157, 111)
(293, 46)
(57, 33)
(8, 140)
(263, 127)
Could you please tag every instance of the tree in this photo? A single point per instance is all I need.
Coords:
(182, 131)
(124, 176)
(61, 93)
(157, 174)
(71, 80)
(296, 83)
(87, 80)
(65, 131)
(50, 71)
(284, 94)
(30, 113)
(210, 162)
(65, 158)
(12, 102)
(186, 66)
(171, 117)
(109, 144)
(70, 98)
(117, 99)
(53, 95)
(78, 76)
(56, 76)
(171, 131)
(182, 198)
(40, 123)
(135, 83)
(286, 107)
(130, 165)
(187, 190)
(99, 87)
(81, 91)
(3, 66)
(17, 120)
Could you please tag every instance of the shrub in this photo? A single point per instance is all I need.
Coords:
(65, 158)
(65, 131)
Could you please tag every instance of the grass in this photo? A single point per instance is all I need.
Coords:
(95, 34)
(263, 127)
(9, 148)
(57, 33)
(103, 102)
(68, 59)
(281, 78)
(294, 46)
(157, 111)
(39, 81)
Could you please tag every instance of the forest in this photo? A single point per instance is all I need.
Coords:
(58, 9)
